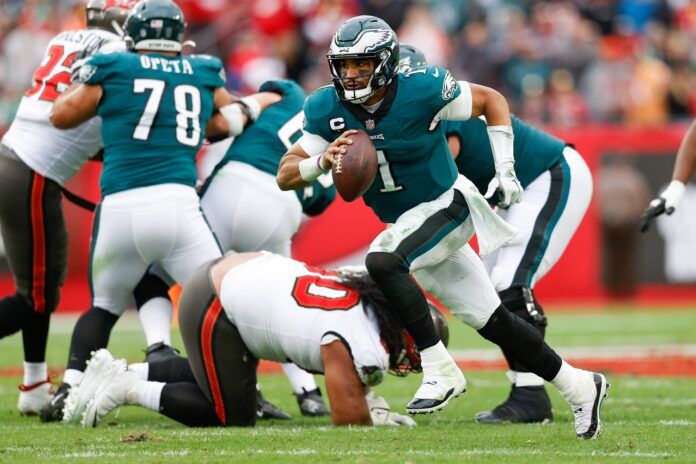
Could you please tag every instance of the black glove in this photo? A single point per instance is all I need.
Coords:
(656, 208)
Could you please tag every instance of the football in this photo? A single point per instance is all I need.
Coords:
(355, 170)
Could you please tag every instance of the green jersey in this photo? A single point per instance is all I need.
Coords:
(278, 127)
(415, 165)
(535, 151)
(154, 110)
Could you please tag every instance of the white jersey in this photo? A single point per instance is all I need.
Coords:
(54, 153)
(285, 311)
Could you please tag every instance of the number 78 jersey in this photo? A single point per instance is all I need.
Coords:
(415, 164)
(154, 110)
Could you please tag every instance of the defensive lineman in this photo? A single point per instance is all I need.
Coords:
(154, 105)
(252, 306)
(558, 189)
(434, 212)
(36, 160)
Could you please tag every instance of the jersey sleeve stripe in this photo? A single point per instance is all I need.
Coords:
(211, 316)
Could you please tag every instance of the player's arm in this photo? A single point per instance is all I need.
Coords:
(308, 158)
(234, 115)
(76, 105)
(684, 167)
(346, 393)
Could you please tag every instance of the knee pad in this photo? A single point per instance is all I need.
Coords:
(149, 287)
(380, 264)
(521, 302)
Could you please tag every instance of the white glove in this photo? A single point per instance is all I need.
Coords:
(666, 202)
(380, 414)
(508, 187)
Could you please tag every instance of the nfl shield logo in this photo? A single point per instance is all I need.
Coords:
(370, 124)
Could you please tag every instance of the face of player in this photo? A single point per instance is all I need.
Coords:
(355, 72)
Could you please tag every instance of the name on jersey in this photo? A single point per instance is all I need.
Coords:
(170, 66)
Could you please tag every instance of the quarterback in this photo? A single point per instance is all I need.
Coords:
(558, 189)
(36, 160)
(250, 306)
(433, 210)
(155, 105)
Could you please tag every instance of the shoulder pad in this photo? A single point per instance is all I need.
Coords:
(283, 87)
(320, 102)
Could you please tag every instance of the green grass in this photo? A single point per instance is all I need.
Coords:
(646, 419)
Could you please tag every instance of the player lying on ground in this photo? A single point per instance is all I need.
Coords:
(155, 106)
(252, 306)
(557, 191)
(435, 212)
(36, 160)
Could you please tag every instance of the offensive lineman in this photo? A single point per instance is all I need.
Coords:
(36, 160)
(558, 189)
(434, 212)
(252, 306)
(154, 104)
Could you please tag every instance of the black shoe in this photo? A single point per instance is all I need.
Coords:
(525, 405)
(53, 411)
(311, 403)
(159, 352)
(266, 410)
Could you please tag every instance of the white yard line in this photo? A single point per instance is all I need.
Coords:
(594, 352)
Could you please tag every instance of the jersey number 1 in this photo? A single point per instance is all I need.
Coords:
(186, 118)
(388, 179)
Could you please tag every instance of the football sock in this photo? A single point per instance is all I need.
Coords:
(156, 318)
(14, 309)
(146, 394)
(517, 337)
(518, 300)
(72, 377)
(186, 403)
(34, 373)
(140, 369)
(170, 370)
(434, 357)
(91, 333)
(300, 380)
(391, 273)
(527, 379)
(575, 385)
(35, 336)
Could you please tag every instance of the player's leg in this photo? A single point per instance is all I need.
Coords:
(474, 301)
(547, 217)
(36, 245)
(428, 230)
(155, 311)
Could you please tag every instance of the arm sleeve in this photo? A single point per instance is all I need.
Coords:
(459, 109)
(312, 144)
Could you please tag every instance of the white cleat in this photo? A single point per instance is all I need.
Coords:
(587, 420)
(80, 396)
(436, 391)
(115, 387)
(34, 397)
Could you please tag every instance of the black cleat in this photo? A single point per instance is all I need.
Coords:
(159, 352)
(524, 405)
(53, 411)
(266, 410)
(311, 403)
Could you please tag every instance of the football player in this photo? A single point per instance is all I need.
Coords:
(252, 306)
(684, 166)
(434, 211)
(155, 105)
(247, 211)
(36, 160)
(558, 189)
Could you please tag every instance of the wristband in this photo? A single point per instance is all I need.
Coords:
(310, 168)
(254, 107)
(502, 142)
(234, 116)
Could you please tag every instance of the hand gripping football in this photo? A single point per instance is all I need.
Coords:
(355, 170)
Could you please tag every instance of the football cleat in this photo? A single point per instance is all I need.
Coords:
(34, 397)
(111, 392)
(266, 410)
(524, 405)
(587, 420)
(159, 352)
(311, 403)
(82, 394)
(436, 391)
(53, 411)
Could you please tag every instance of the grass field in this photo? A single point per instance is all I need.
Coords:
(646, 419)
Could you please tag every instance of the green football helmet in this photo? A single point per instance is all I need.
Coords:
(364, 37)
(410, 57)
(156, 25)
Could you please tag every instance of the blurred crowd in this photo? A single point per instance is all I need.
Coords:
(558, 62)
